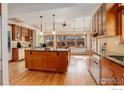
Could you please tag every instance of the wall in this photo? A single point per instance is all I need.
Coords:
(37, 38)
(112, 45)
(41, 39)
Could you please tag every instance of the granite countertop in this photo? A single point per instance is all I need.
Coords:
(49, 49)
(107, 54)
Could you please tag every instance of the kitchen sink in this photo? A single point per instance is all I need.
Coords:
(120, 58)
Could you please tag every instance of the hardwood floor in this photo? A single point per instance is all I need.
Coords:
(77, 74)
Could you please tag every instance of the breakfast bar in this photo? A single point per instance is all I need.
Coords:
(47, 59)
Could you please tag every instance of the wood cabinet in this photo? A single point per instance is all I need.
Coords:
(112, 28)
(47, 60)
(121, 17)
(122, 28)
(111, 73)
(24, 31)
(107, 74)
(105, 20)
(97, 22)
(16, 33)
(20, 33)
(17, 54)
(62, 65)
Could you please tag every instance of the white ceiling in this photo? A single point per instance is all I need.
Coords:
(30, 13)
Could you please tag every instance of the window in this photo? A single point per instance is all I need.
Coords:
(70, 40)
(49, 39)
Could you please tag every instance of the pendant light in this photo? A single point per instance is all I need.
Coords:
(84, 29)
(45, 32)
(74, 27)
(53, 32)
(41, 33)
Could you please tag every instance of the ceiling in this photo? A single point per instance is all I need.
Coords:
(30, 13)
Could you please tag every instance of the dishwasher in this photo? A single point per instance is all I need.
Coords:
(96, 68)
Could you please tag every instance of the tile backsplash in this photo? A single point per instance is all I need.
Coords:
(23, 44)
(112, 44)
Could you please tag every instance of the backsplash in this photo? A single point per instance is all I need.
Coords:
(112, 44)
(23, 44)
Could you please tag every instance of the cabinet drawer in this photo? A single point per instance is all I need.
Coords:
(62, 54)
(43, 53)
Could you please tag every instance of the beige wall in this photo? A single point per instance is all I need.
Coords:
(112, 45)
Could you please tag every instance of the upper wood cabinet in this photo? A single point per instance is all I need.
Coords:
(112, 16)
(20, 33)
(121, 16)
(24, 32)
(122, 28)
(105, 20)
(97, 22)
(16, 32)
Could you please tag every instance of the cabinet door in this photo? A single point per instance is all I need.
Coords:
(61, 61)
(107, 72)
(112, 19)
(103, 19)
(51, 63)
(28, 59)
(38, 61)
(119, 74)
(107, 76)
(122, 27)
(100, 21)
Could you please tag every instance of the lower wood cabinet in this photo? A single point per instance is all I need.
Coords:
(111, 73)
(17, 54)
(49, 61)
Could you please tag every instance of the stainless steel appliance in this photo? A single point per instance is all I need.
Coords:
(96, 68)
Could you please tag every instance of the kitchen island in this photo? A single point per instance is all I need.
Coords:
(47, 59)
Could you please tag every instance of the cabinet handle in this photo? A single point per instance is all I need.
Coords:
(30, 53)
(58, 53)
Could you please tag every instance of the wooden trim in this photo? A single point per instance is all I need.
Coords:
(13, 32)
